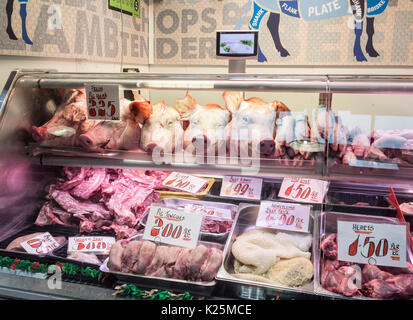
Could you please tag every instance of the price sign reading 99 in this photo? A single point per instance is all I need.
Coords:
(303, 190)
(173, 227)
(372, 243)
(285, 216)
(241, 187)
(102, 102)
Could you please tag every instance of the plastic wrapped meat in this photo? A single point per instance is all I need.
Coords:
(147, 258)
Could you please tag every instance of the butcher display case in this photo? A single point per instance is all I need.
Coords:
(68, 172)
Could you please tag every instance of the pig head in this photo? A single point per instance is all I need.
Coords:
(206, 126)
(253, 124)
(161, 125)
(114, 135)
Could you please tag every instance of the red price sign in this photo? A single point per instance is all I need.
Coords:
(372, 243)
(184, 182)
(97, 244)
(241, 187)
(40, 244)
(303, 190)
(103, 102)
(173, 227)
(286, 216)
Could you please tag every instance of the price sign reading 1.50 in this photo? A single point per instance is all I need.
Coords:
(303, 190)
(372, 243)
(173, 227)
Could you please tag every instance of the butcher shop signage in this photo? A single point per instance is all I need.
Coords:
(102, 101)
(184, 182)
(284, 216)
(292, 32)
(241, 187)
(132, 7)
(372, 243)
(74, 29)
(173, 227)
(40, 244)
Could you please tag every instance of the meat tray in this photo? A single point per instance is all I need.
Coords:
(200, 288)
(177, 203)
(245, 221)
(327, 222)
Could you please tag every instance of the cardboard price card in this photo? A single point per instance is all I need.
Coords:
(173, 227)
(372, 243)
(285, 216)
(241, 187)
(184, 182)
(103, 101)
(219, 213)
(303, 190)
(41, 244)
(96, 244)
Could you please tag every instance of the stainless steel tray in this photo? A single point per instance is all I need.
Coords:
(205, 236)
(327, 222)
(202, 288)
(245, 221)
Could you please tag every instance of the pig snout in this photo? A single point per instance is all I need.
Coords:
(267, 147)
(152, 146)
(87, 142)
(201, 138)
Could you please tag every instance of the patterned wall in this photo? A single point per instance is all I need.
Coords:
(83, 29)
(185, 32)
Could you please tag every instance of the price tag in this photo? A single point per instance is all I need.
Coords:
(303, 190)
(241, 187)
(98, 245)
(102, 101)
(173, 227)
(40, 244)
(209, 211)
(184, 182)
(372, 243)
(285, 216)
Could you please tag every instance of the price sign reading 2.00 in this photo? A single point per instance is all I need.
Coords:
(103, 102)
(173, 227)
(372, 243)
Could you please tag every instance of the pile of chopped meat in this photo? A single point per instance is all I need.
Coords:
(376, 282)
(100, 199)
(147, 258)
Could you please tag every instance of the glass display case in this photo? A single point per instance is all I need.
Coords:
(354, 131)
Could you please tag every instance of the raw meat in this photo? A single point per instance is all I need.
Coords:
(100, 199)
(147, 258)
(376, 282)
(84, 257)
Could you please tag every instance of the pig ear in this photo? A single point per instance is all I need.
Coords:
(137, 96)
(280, 107)
(141, 110)
(232, 100)
(185, 105)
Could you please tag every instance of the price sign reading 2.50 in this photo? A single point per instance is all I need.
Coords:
(380, 244)
(173, 227)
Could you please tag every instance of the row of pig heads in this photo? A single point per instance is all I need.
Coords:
(252, 120)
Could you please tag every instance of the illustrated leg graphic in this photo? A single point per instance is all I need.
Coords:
(23, 15)
(273, 25)
(9, 11)
(370, 32)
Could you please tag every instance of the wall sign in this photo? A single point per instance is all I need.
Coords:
(131, 7)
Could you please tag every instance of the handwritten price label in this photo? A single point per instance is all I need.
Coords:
(303, 190)
(372, 243)
(103, 102)
(285, 216)
(209, 211)
(41, 244)
(184, 182)
(173, 227)
(98, 245)
(241, 187)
